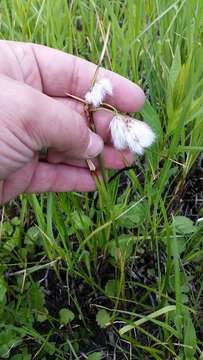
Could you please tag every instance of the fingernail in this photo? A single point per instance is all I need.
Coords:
(95, 146)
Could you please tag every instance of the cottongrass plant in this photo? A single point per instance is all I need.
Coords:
(126, 132)
(98, 92)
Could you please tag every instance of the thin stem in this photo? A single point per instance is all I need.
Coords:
(102, 55)
(104, 106)
(110, 107)
(76, 98)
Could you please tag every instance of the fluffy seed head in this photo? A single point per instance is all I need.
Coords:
(118, 129)
(129, 133)
(106, 86)
(142, 132)
(97, 94)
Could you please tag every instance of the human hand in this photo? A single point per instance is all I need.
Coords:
(35, 113)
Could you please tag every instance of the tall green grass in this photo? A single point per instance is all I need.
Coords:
(127, 259)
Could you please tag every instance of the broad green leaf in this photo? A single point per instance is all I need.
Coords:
(21, 357)
(134, 216)
(15, 221)
(183, 225)
(111, 288)
(103, 318)
(42, 316)
(6, 229)
(8, 340)
(66, 316)
(50, 348)
(4, 351)
(36, 297)
(95, 356)
(122, 247)
(81, 221)
(33, 234)
(14, 241)
(25, 316)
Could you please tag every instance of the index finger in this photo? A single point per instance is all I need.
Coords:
(61, 73)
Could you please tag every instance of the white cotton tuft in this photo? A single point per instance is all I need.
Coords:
(133, 143)
(97, 94)
(94, 97)
(129, 133)
(118, 128)
(142, 132)
(106, 86)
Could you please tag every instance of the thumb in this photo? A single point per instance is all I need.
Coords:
(46, 122)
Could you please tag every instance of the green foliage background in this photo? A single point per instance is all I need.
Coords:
(118, 272)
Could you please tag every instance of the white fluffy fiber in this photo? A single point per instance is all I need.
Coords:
(126, 132)
(118, 132)
(97, 94)
(129, 133)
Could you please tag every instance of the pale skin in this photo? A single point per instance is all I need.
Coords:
(35, 113)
